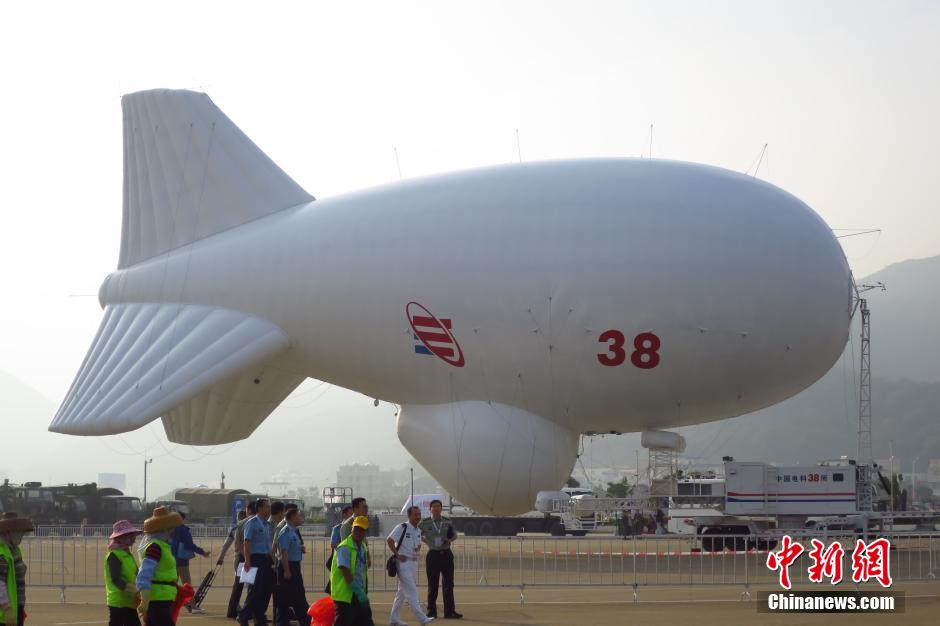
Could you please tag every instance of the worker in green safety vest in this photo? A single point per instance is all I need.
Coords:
(156, 579)
(12, 569)
(120, 575)
(349, 577)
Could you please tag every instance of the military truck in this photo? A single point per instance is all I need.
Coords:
(70, 504)
(215, 506)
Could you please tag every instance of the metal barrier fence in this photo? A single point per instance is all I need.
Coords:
(62, 559)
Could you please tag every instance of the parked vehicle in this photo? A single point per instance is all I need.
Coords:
(70, 504)
(214, 506)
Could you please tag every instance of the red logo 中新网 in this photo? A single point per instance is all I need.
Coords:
(869, 561)
(433, 335)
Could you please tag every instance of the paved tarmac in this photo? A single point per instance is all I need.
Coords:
(542, 606)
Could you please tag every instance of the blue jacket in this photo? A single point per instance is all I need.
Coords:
(183, 546)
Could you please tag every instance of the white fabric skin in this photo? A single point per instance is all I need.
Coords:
(407, 591)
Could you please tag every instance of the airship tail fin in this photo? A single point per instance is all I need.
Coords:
(212, 374)
(189, 173)
(233, 408)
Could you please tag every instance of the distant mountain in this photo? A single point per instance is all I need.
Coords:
(299, 437)
(905, 331)
(820, 423)
(24, 412)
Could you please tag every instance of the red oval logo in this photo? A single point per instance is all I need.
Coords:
(434, 335)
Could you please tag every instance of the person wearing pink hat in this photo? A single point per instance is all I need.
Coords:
(120, 575)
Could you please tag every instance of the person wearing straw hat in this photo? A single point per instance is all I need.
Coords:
(120, 575)
(13, 568)
(156, 579)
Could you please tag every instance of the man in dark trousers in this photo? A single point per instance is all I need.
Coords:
(185, 549)
(289, 576)
(257, 553)
(438, 533)
(237, 535)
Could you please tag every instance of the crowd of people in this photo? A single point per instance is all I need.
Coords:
(269, 550)
(350, 561)
(146, 587)
(638, 523)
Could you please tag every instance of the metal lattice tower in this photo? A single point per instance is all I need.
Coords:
(662, 470)
(864, 454)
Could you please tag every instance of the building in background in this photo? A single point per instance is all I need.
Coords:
(384, 488)
(933, 476)
(115, 481)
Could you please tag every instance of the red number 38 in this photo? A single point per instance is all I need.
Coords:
(645, 355)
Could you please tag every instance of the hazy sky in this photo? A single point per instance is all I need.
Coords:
(846, 94)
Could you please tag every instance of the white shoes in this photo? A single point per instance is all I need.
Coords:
(428, 620)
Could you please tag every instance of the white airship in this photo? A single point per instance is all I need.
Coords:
(506, 309)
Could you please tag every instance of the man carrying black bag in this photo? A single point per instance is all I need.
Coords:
(438, 532)
(404, 542)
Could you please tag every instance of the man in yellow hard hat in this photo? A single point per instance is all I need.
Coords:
(349, 577)
(12, 569)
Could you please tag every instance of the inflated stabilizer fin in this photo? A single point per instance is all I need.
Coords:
(190, 172)
(194, 365)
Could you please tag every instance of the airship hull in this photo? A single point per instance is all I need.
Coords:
(505, 309)
(744, 288)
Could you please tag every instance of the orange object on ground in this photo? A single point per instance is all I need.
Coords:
(322, 612)
(183, 595)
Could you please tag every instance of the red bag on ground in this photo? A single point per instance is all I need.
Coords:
(322, 612)
(183, 595)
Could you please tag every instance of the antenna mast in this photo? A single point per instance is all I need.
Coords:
(863, 458)
(863, 454)
(398, 165)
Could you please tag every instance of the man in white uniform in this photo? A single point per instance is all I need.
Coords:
(405, 542)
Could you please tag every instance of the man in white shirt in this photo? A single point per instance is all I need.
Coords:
(405, 542)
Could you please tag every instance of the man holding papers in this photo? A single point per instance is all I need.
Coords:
(258, 564)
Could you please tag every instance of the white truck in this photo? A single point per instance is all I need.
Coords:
(761, 499)
(698, 495)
